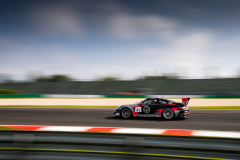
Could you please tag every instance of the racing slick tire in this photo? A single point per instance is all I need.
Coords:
(168, 114)
(126, 113)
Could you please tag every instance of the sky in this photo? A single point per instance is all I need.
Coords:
(127, 39)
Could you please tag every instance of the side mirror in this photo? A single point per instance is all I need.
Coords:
(140, 104)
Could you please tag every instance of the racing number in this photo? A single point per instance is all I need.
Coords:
(138, 109)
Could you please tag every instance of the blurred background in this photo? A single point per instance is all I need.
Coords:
(120, 46)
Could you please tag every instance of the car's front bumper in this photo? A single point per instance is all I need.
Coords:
(116, 113)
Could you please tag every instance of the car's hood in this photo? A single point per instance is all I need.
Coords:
(126, 105)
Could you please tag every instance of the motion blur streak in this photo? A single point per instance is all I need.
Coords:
(51, 145)
(114, 153)
(218, 120)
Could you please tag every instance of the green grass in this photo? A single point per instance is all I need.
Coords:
(5, 128)
(198, 107)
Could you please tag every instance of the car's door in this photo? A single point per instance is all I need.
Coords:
(158, 107)
(149, 107)
(145, 107)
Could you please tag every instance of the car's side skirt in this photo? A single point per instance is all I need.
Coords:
(147, 115)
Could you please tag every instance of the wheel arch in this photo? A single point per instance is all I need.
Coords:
(174, 113)
(127, 108)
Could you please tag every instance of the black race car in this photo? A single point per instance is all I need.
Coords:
(154, 107)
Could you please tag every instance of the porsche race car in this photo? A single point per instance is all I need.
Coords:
(154, 107)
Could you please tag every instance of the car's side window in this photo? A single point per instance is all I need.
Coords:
(164, 102)
(151, 102)
(147, 102)
(170, 102)
(160, 102)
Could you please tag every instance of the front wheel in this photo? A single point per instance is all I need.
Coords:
(168, 114)
(126, 113)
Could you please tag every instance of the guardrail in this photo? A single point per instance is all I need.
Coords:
(85, 145)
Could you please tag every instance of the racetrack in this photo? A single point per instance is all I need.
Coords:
(220, 120)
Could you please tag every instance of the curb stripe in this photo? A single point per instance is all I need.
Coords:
(178, 132)
(97, 129)
(138, 131)
(63, 129)
(174, 132)
(30, 128)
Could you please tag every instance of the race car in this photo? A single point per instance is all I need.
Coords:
(154, 107)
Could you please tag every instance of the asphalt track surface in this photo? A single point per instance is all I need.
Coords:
(220, 120)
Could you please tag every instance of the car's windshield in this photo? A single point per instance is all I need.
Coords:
(139, 102)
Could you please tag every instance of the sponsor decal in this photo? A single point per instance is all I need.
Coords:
(147, 115)
(138, 109)
(146, 109)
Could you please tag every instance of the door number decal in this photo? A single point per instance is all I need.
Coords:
(138, 109)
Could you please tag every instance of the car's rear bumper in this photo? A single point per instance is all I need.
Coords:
(183, 113)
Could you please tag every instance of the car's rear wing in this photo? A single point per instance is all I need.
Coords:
(185, 101)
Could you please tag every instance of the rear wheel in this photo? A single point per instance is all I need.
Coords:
(126, 113)
(168, 114)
